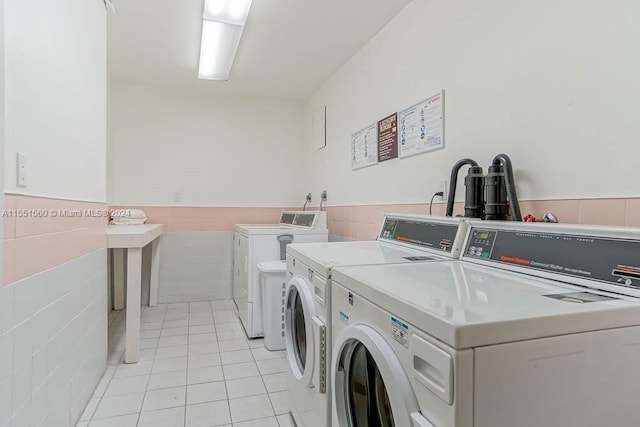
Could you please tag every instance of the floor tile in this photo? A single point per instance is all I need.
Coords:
(264, 354)
(104, 381)
(204, 348)
(204, 375)
(240, 370)
(119, 405)
(122, 421)
(238, 356)
(150, 326)
(204, 360)
(179, 323)
(234, 345)
(164, 398)
(208, 414)
(173, 341)
(256, 343)
(230, 327)
(203, 338)
(172, 332)
(250, 408)
(260, 422)
(272, 366)
(171, 352)
(127, 385)
(90, 409)
(133, 369)
(280, 402)
(285, 420)
(201, 329)
(169, 379)
(275, 382)
(231, 335)
(244, 387)
(206, 392)
(149, 343)
(172, 417)
(171, 364)
(146, 354)
(153, 333)
(197, 321)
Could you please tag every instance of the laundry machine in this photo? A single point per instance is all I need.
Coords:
(256, 243)
(402, 239)
(536, 325)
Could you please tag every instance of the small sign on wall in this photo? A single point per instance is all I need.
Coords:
(422, 126)
(388, 138)
(364, 147)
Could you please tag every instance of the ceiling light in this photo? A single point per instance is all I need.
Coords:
(229, 11)
(218, 49)
(223, 22)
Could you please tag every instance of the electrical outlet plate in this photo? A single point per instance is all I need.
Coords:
(444, 188)
(177, 196)
(308, 197)
(323, 196)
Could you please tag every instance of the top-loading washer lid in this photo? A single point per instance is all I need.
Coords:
(467, 305)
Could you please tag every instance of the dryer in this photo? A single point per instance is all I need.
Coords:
(402, 239)
(256, 243)
(537, 325)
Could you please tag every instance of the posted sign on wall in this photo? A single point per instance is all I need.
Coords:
(388, 138)
(364, 147)
(422, 126)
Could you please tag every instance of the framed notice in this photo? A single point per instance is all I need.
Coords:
(388, 138)
(364, 147)
(421, 126)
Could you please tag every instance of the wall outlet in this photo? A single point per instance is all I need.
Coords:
(309, 197)
(177, 196)
(444, 188)
(323, 195)
(21, 170)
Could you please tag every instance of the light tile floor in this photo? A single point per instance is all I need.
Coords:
(196, 369)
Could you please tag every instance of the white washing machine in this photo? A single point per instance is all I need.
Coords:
(403, 239)
(256, 243)
(538, 325)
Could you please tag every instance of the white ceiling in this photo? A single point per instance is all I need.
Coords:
(288, 48)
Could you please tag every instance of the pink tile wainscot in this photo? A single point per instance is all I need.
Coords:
(36, 242)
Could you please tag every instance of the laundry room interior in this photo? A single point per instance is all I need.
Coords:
(300, 213)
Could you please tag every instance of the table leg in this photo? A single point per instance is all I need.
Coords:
(118, 279)
(134, 281)
(155, 267)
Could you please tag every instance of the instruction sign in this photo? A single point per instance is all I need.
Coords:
(388, 138)
(364, 147)
(422, 126)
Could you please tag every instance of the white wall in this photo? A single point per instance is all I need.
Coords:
(554, 84)
(216, 150)
(55, 97)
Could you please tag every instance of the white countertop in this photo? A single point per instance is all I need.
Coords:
(132, 236)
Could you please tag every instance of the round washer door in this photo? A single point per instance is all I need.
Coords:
(299, 313)
(370, 385)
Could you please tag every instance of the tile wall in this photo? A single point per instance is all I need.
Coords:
(53, 345)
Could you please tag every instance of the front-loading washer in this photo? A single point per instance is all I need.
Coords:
(402, 239)
(537, 325)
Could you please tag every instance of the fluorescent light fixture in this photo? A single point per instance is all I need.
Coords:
(223, 22)
(229, 11)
